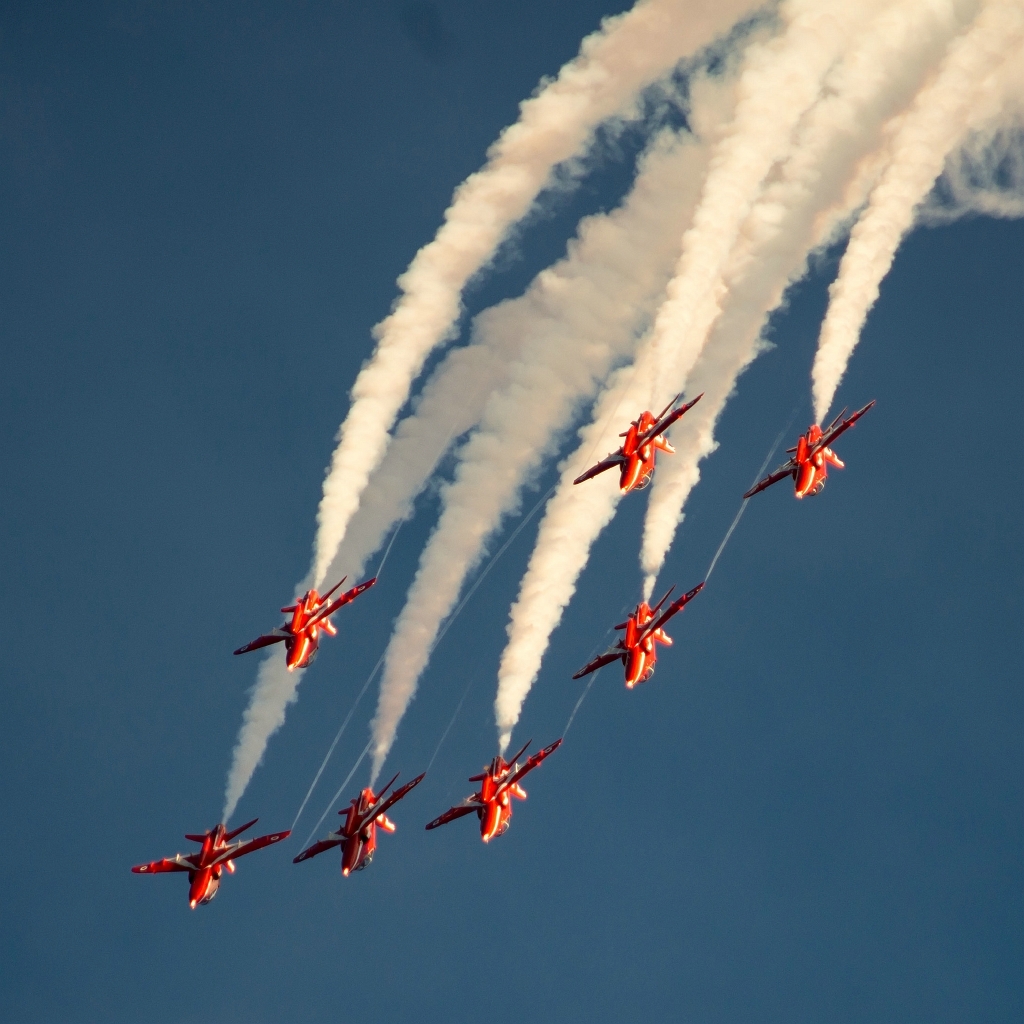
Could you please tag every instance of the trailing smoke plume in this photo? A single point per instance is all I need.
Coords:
(275, 689)
(577, 319)
(615, 64)
(979, 76)
(779, 81)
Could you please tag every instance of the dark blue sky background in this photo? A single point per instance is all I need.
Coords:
(814, 810)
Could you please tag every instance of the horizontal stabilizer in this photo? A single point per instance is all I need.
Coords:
(531, 762)
(348, 596)
(241, 849)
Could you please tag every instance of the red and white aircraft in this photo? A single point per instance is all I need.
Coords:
(637, 650)
(644, 440)
(499, 784)
(811, 457)
(358, 836)
(205, 867)
(309, 620)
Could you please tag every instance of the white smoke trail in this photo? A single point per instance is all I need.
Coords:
(451, 404)
(578, 318)
(978, 77)
(628, 53)
(275, 689)
(780, 80)
(816, 192)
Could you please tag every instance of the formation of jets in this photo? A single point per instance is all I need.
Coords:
(500, 781)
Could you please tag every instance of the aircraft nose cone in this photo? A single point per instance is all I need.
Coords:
(192, 904)
(344, 872)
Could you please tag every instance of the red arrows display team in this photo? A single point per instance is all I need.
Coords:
(811, 457)
(309, 618)
(357, 837)
(637, 649)
(206, 867)
(498, 785)
(638, 453)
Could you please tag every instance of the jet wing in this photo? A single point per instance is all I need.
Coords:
(612, 654)
(835, 430)
(382, 806)
(179, 862)
(676, 606)
(780, 474)
(349, 595)
(264, 641)
(531, 762)
(666, 421)
(240, 849)
(613, 460)
(468, 807)
(317, 848)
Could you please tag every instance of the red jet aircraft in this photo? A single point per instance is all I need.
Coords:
(358, 836)
(811, 457)
(499, 783)
(309, 619)
(204, 867)
(637, 650)
(637, 455)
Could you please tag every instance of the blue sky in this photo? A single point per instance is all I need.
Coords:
(813, 811)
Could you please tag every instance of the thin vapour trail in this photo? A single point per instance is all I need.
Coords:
(337, 796)
(743, 504)
(352, 710)
(462, 604)
(341, 731)
(582, 698)
(448, 727)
